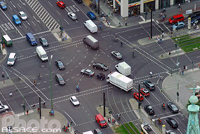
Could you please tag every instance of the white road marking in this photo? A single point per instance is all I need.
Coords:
(12, 4)
(66, 21)
(11, 22)
(50, 3)
(18, 5)
(22, 3)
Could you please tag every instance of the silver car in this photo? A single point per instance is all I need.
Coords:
(72, 15)
(23, 15)
(3, 108)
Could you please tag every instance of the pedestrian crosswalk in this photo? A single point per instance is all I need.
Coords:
(7, 26)
(44, 15)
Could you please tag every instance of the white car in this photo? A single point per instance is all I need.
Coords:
(72, 15)
(22, 15)
(3, 108)
(74, 101)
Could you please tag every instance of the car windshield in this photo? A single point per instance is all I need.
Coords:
(3, 4)
(23, 15)
(44, 41)
(75, 100)
(172, 18)
(60, 63)
(102, 122)
(17, 20)
(150, 107)
(118, 54)
(44, 55)
(174, 107)
(60, 79)
(10, 59)
(32, 39)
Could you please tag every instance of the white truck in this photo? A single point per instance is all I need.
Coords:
(41, 53)
(91, 26)
(123, 68)
(120, 81)
(88, 132)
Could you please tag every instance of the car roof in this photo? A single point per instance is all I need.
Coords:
(73, 97)
(58, 75)
(12, 55)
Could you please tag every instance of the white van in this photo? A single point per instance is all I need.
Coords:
(11, 59)
(91, 26)
(41, 53)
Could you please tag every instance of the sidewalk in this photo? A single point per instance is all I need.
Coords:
(114, 19)
(45, 125)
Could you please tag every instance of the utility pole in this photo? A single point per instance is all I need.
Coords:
(40, 106)
(51, 82)
(151, 23)
(139, 97)
(98, 7)
(104, 105)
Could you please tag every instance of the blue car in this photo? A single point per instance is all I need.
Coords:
(178, 25)
(91, 15)
(16, 20)
(3, 5)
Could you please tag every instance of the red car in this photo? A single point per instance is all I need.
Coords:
(61, 4)
(136, 96)
(144, 91)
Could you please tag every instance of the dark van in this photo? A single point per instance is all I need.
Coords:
(31, 39)
(176, 18)
(91, 42)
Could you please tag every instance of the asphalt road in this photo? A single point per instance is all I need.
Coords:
(44, 16)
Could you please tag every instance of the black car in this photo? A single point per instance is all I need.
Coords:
(170, 132)
(98, 65)
(172, 122)
(59, 64)
(101, 76)
(194, 14)
(172, 107)
(44, 42)
(149, 109)
(149, 85)
(60, 79)
(116, 54)
(87, 72)
(78, 1)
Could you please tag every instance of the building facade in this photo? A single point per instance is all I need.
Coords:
(127, 8)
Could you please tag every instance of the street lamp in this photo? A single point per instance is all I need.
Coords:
(176, 46)
(51, 82)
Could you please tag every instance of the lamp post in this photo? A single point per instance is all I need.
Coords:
(51, 82)
(176, 46)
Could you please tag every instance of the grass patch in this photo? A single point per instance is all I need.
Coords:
(129, 128)
(192, 47)
(121, 130)
(189, 40)
(189, 43)
(183, 36)
(133, 126)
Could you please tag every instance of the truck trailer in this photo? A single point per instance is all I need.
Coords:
(123, 68)
(120, 81)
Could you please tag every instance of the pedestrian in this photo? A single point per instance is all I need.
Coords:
(118, 116)
(34, 82)
(182, 72)
(159, 76)
(160, 40)
(38, 109)
(163, 34)
(180, 9)
(151, 74)
(185, 67)
(39, 76)
(121, 43)
(27, 111)
(77, 88)
(169, 52)
(125, 23)
(119, 24)
(67, 124)
(100, 26)
(179, 5)
(10, 94)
